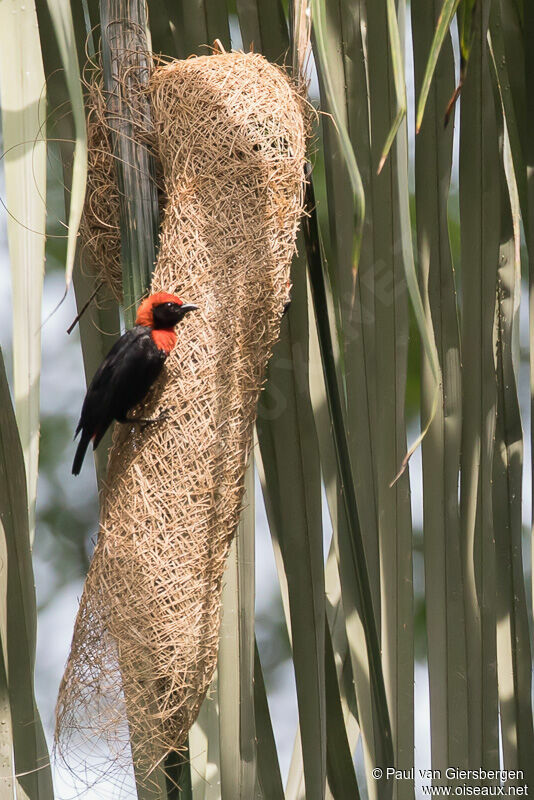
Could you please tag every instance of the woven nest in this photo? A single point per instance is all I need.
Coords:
(99, 227)
(231, 137)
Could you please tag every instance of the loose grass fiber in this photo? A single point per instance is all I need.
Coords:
(100, 222)
(230, 133)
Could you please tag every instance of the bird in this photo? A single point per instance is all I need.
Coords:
(129, 370)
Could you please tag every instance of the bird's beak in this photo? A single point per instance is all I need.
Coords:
(188, 307)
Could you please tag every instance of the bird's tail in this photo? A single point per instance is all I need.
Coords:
(83, 444)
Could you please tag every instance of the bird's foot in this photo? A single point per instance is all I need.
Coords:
(144, 421)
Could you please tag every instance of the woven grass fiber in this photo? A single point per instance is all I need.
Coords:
(100, 224)
(230, 134)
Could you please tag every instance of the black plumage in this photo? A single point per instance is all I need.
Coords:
(120, 383)
(129, 370)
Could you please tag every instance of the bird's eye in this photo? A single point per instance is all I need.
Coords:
(169, 305)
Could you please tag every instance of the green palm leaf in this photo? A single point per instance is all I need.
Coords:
(23, 97)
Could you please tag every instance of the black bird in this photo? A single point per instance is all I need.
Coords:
(129, 370)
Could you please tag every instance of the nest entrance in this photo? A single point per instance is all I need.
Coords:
(230, 136)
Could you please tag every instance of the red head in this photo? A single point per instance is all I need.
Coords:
(161, 312)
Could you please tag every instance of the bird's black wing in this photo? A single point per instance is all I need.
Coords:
(121, 381)
(119, 369)
(116, 355)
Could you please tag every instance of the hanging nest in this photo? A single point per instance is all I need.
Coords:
(231, 138)
(100, 233)
(100, 223)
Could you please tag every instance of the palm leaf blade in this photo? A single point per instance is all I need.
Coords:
(23, 93)
(29, 748)
(480, 225)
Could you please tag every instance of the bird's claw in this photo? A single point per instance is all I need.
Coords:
(144, 421)
(162, 416)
